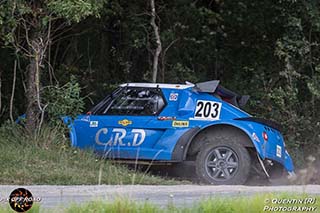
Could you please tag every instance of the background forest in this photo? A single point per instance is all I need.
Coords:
(72, 53)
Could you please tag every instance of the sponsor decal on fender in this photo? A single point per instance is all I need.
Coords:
(173, 96)
(180, 123)
(166, 118)
(279, 151)
(125, 122)
(94, 123)
(255, 137)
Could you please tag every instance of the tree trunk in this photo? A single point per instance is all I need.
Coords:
(0, 92)
(32, 113)
(34, 109)
(13, 89)
(158, 41)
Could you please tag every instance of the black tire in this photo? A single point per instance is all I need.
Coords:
(222, 160)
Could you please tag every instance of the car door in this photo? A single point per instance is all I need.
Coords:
(126, 127)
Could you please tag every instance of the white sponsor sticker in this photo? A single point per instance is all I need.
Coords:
(207, 110)
(255, 137)
(279, 151)
(94, 123)
(118, 135)
(173, 96)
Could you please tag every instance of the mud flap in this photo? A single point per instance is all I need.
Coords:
(263, 167)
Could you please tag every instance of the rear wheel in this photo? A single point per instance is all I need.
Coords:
(222, 160)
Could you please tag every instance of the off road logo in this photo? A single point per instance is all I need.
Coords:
(120, 137)
(125, 122)
(21, 200)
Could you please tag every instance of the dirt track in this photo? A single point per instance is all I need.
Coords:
(55, 196)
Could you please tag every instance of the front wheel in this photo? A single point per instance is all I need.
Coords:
(223, 162)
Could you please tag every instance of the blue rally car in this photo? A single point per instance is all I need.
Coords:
(173, 123)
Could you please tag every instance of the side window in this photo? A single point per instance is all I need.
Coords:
(137, 101)
(102, 106)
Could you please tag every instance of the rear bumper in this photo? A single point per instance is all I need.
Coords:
(273, 147)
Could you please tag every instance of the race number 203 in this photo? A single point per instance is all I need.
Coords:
(207, 110)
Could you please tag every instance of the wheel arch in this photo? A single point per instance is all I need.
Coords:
(192, 147)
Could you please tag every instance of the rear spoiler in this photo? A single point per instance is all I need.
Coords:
(225, 94)
(263, 121)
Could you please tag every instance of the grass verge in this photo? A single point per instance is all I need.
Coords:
(48, 159)
(244, 204)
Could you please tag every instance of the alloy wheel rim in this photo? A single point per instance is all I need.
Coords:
(222, 163)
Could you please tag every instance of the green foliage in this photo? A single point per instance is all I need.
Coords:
(239, 204)
(182, 73)
(269, 50)
(7, 22)
(63, 100)
(219, 204)
(314, 86)
(297, 93)
(18, 13)
(75, 10)
(7, 209)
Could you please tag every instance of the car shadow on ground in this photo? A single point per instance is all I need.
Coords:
(186, 171)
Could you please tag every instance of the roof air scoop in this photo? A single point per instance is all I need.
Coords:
(208, 86)
(225, 94)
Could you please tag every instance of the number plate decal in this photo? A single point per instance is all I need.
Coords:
(207, 110)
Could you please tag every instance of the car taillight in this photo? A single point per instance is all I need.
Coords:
(265, 136)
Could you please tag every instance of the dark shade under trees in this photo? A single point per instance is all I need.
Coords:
(267, 49)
